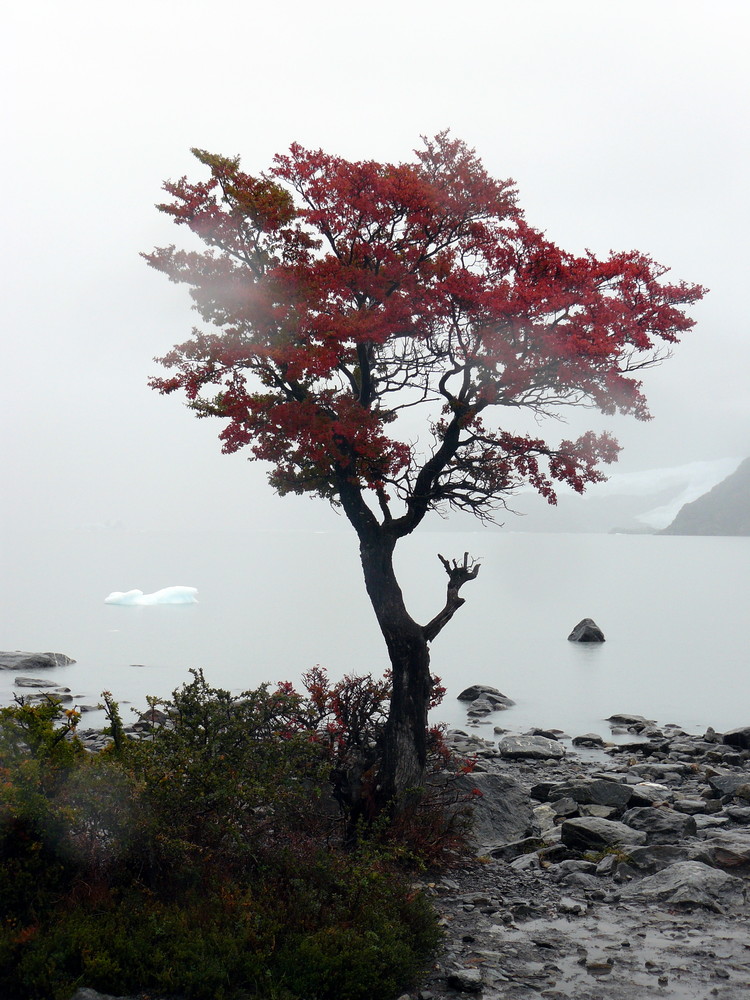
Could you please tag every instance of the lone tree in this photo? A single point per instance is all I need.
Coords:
(340, 296)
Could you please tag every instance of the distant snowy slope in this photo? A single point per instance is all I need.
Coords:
(722, 510)
(688, 481)
(644, 501)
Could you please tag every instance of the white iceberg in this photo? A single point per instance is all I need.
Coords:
(169, 595)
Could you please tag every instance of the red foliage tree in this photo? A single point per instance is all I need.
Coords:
(341, 295)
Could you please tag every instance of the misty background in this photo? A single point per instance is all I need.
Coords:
(623, 124)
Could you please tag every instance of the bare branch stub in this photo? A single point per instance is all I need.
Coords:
(459, 573)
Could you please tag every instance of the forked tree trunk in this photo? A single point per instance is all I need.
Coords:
(405, 747)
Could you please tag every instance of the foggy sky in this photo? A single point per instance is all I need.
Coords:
(623, 124)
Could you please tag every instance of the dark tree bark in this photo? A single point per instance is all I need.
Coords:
(404, 756)
(405, 744)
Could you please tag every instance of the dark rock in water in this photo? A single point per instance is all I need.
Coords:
(33, 682)
(586, 631)
(56, 695)
(480, 706)
(33, 661)
(531, 747)
(592, 834)
(738, 738)
(495, 697)
(588, 740)
(661, 824)
(687, 883)
(626, 719)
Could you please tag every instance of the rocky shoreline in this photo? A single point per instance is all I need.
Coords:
(603, 871)
(614, 871)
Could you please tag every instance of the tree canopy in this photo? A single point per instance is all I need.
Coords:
(339, 295)
(342, 296)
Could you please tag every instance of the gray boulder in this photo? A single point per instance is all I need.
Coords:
(586, 631)
(730, 850)
(501, 812)
(33, 661)
(738, 738)
(726, 783)
(589, 833)
(517, 849)
(650, 793)
(687, 883)
(592, 791)
(661, 824)
(588, 740)
(658, 856)
(531, 748)
(465, 980)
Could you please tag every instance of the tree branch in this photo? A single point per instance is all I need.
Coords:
(458, 575)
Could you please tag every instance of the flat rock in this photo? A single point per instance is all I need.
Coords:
(485, 691)
(658, 856)
(592, 791)
(649, 793)
(687, 883)
(531, 747)
(626, 719)
(33, 682)
(726, 850)
(586, 631)
(661, 824)
(33, 661)
(589, 833)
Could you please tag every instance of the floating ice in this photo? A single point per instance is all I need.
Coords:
(169, 595)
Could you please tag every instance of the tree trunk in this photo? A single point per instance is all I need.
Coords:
(405, 749)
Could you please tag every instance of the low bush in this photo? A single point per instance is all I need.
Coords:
(210, 858)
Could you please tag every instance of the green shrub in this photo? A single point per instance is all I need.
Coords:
(206, 860)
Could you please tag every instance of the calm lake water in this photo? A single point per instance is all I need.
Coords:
(272, 604)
